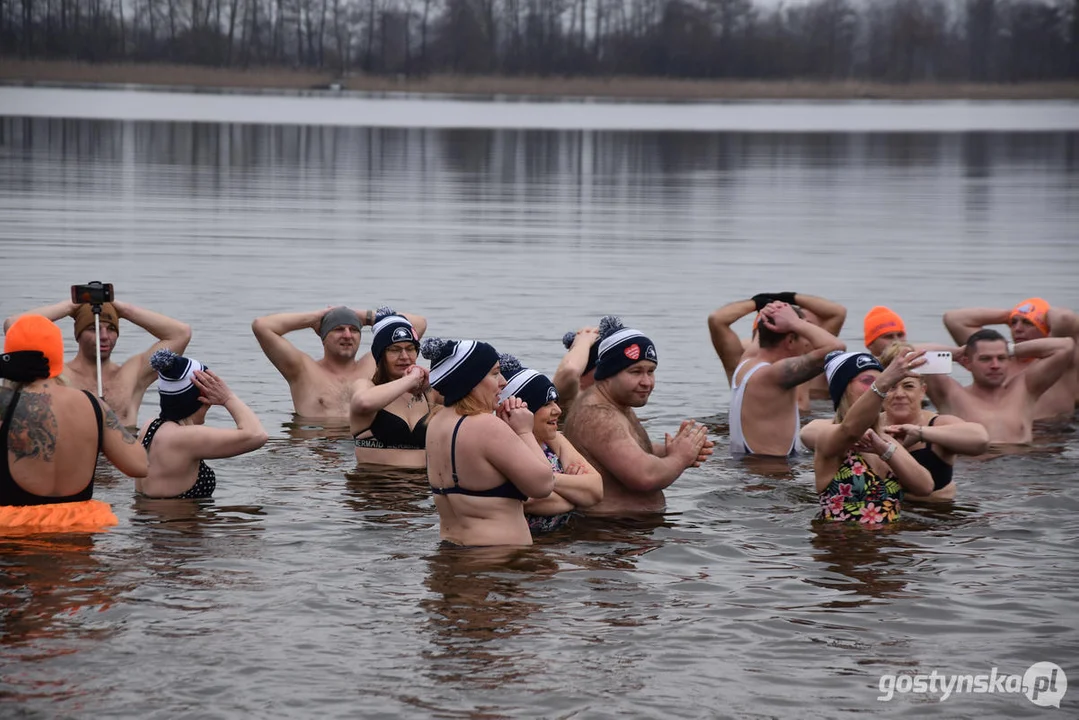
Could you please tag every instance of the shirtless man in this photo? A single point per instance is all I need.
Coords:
(1031, 319)
(882, 327)
(604, 428)
(1003, 402)
(732, 349)
(124, 384)
(321, 388)
(790, 351)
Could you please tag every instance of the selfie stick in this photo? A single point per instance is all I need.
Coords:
(97, 345)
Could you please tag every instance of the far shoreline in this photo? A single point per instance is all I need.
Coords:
(33, 73)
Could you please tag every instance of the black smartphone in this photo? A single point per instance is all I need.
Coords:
(93, 293)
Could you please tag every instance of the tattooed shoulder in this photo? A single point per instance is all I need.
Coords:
(33, 428)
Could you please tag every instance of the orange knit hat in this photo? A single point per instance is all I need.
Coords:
(36, 332)
(881, 321)
(1035, 310)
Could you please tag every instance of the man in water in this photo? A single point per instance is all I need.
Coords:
(882, 327)
(1032, 319)
(123, 385)
(605, 428)
(1003, 402)
(321, 388)
(732, 349)
(790, 351)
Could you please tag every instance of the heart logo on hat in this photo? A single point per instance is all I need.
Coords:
(633, 352)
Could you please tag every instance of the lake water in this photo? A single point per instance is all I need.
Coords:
(306, 588)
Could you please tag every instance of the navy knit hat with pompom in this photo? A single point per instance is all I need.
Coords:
(176, 384)
(390, 328)
(620, 347)
(534, 388)
(605, 324)
(457, 366)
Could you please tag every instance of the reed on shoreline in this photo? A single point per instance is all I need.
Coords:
(644, 88)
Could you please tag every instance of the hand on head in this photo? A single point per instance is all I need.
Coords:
(214, 390)
(586, 336)
(515, 413)
(779, 317)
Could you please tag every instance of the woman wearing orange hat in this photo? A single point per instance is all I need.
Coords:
(50, 436)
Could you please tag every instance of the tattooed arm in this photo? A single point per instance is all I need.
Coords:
(120, 446)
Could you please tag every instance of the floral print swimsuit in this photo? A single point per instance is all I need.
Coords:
(539, 524)
(857, 494)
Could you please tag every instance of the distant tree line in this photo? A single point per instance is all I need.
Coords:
(878, 40)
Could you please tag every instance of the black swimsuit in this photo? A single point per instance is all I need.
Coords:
(11, 493)
(391, 432)
(205, 483)
(940, 470)
(505, 490)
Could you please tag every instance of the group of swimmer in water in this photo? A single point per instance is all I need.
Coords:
(487, 429)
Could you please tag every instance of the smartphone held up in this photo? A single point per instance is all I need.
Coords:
(937, 362)
(93, 293)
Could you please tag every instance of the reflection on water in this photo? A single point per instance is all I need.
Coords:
(307, 579)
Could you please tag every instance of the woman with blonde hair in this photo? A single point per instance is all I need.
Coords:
(862, 472)
(482, 466)
(178, 441)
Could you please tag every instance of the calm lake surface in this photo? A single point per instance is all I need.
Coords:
(309, 588)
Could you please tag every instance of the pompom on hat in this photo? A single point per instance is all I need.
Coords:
(620, 348)
(37, 332)
(605, 324)
(842, 367)
(176, 384)
(457, 366)
(390, 328)
(535, 388)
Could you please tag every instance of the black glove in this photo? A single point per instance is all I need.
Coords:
(24, 366)
(762, 299)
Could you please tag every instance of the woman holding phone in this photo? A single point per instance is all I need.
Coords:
(932, 439)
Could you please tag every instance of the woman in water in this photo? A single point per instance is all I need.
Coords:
(178, 442)
(387, 415)
(932, 439)
(576, 483)
(861, 473)
(50, 437)
(482, 467)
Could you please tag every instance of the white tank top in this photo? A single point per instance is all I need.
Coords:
(739, 446)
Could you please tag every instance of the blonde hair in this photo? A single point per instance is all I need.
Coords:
(466, 406)
(893, 351)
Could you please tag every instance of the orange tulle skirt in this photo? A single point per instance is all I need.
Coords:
(86, 515)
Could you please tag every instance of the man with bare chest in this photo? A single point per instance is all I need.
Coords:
(605, 428)
(321, 389)
(1005, 404)
(123, 384)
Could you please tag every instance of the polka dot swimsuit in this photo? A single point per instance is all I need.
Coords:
(205, 483)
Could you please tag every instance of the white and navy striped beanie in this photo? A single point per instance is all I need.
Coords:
(457, 366)
(536, 389)
(175, 384)
(390, 328)
(621, 348)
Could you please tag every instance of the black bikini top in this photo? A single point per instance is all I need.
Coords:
(505, 490)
